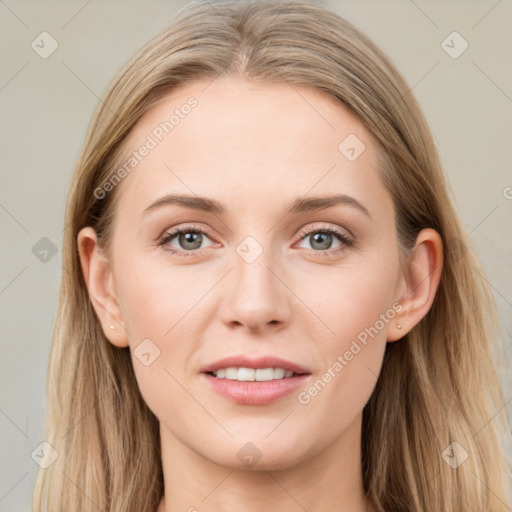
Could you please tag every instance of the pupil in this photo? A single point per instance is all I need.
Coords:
(192, 238)
(324, 240)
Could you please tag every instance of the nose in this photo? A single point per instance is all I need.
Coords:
(257, 298)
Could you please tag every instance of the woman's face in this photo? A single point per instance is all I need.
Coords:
(256, 275)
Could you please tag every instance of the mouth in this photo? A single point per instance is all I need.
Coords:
(259, 381)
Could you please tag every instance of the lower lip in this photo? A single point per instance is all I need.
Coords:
(255, 392)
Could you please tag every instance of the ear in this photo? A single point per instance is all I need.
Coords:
(422, 276)
(100, 285)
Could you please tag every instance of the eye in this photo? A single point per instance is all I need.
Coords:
(321, 239)
(188, 238)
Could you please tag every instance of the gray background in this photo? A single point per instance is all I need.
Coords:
(47, 104)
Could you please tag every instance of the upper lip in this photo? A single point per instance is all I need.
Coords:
(256, 363)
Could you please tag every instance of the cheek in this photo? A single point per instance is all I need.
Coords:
(356, 308)
(351, 299)
(155, 297)
(158, 308)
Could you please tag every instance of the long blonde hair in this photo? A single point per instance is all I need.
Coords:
(437, 386)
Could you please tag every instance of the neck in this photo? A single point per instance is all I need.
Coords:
(329, 480)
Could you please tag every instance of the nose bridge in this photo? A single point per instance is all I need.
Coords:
(252, 262)
(257, 296)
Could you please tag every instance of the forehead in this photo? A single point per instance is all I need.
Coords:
(262, 140)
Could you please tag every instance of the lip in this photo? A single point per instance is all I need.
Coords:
(255, 363)
(255, 392)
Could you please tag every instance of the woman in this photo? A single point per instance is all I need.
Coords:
(267, 296)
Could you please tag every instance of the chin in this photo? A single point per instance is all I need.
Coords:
(259, 457)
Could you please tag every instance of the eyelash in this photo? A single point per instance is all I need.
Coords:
(343, 238)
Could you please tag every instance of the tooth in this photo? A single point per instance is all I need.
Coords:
(231, 373)
(264, 374)
(246, 374)
(278, 373)
(249, 374)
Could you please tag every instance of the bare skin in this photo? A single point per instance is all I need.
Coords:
(255, 149)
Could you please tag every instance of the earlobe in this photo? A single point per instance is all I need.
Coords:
(100, 286)
(422, 278)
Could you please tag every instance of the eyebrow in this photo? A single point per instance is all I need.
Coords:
(300, 205)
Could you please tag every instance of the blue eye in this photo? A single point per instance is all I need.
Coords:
(321, 239)
(190, 240)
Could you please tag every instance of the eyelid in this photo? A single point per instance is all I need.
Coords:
(344, 232)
